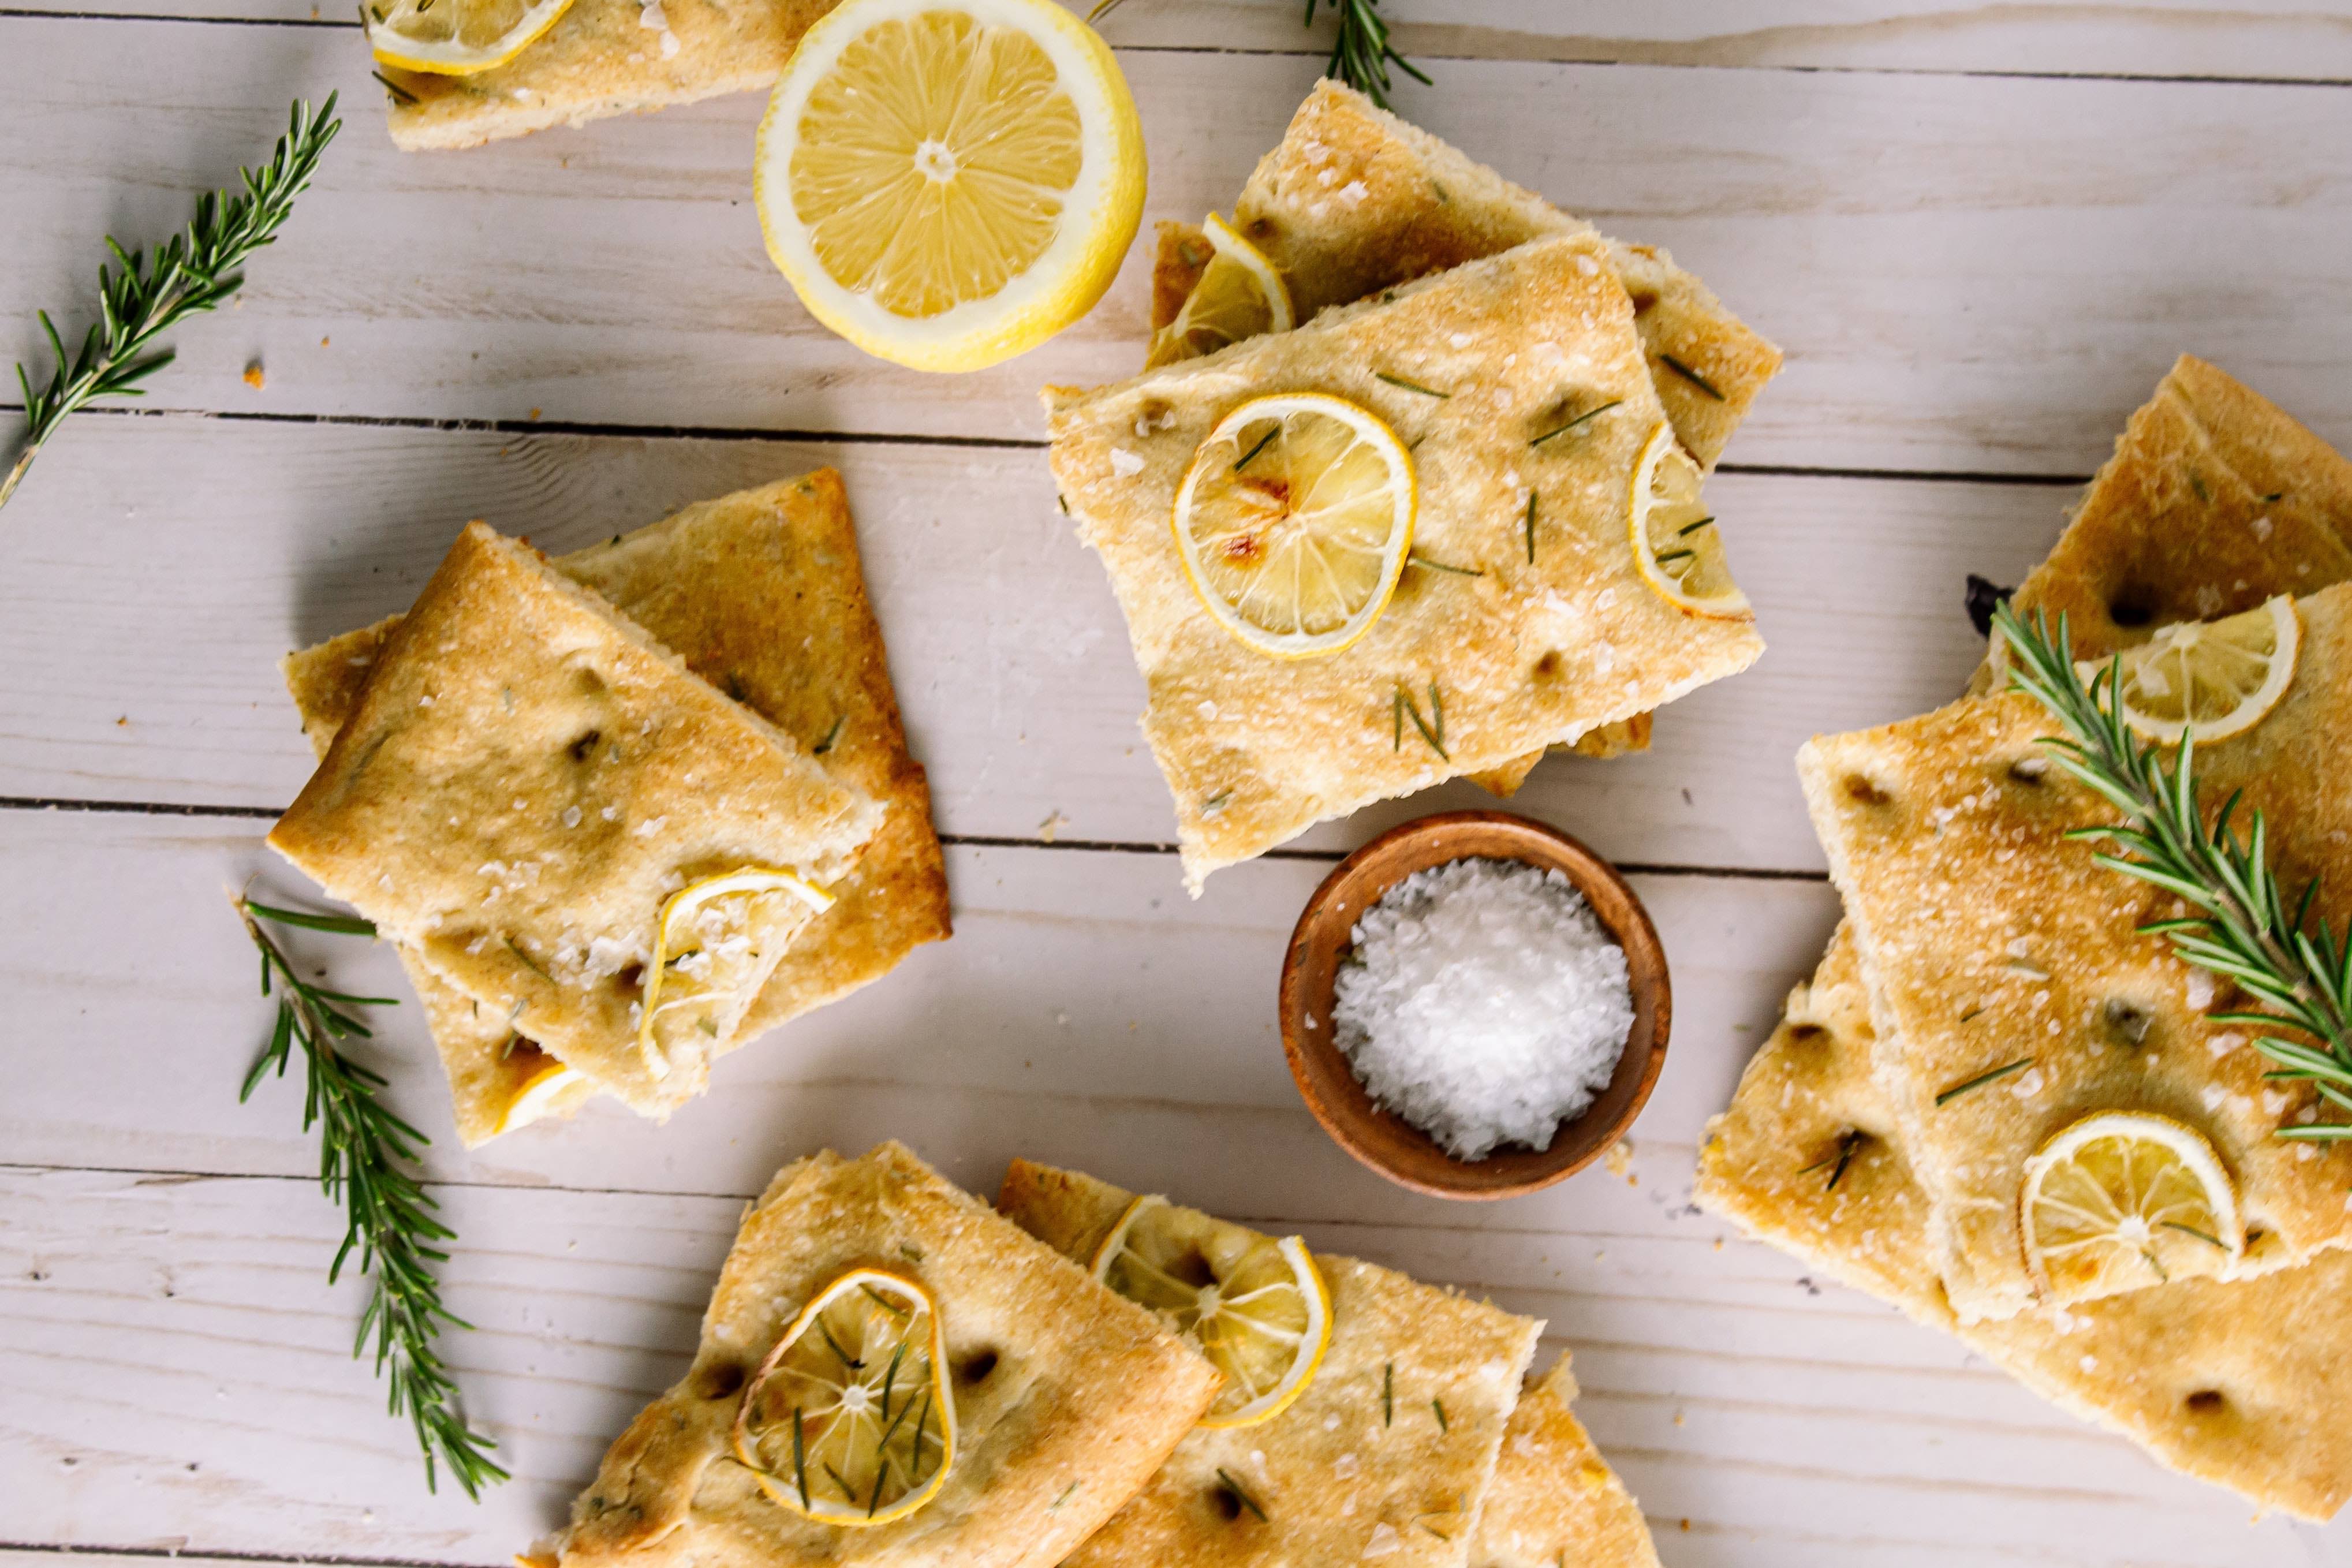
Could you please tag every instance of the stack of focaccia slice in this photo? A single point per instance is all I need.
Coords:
(893, 1374)
(1409, 1442)
(667, 772)
(1546, 402)
(1991, 993)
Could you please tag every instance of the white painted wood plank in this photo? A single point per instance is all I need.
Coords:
(2206, 38)
(179, 1378)
(161, 566)
(1970, 272)
(1082, 993)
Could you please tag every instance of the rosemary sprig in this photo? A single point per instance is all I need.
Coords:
(2244, 929)
(191, 272)
(1362, 54)
(366, 1157)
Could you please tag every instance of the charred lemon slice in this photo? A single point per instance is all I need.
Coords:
(1294, 522)
(849, 1420)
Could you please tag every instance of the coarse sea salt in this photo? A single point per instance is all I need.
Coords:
(1483, 1004)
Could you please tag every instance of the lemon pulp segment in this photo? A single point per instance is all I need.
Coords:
(1256, 1308)
(1295, 521)
(849, 1420)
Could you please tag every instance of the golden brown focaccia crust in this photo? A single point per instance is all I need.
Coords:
(1525, 653)
(525, 778)
(604, 58)
(1359, 1466)
(1986, 938)
(2238, 1384)
(1555, 1499)
(2214, 500)
(762, 594)
(1354, 200)
(1066, 1397)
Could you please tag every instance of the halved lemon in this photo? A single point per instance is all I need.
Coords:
(2124, 1199)
(539, 1094)
(705, 952)
(849, 1421)
(455, 37)
(1257, 1308)
(947, 183)
(1240, 295)
(2213, 679)
(1295, 521)
(1677, 545)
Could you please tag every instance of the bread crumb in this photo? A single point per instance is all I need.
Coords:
(253, 377)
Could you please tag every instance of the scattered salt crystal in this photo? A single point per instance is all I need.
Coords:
(1124, 463)
(2200, 989)
(571, 817)
(1383, 1543)
(1460, 340)
(1483, 1004)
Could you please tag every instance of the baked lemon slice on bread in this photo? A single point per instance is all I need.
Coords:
(2213, 679)
(1678, 547)
(1294, 522)
(850, 1420)
(1240, 295)
(1255, 1307)
(2122, 1200)
(455, 37)
(947, 183)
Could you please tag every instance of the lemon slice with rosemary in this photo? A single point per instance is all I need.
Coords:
(2122, 1200)
(947, 183)
(2213, 679)
(707, 952)
(1257, 1308)
(1678, 547)
(1294, 522)
(849, 1421)
(1240, 295)
(455, 37)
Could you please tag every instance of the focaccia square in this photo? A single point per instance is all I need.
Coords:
(760, 593)
(1555, 1499)
(2214, 500)
(2239, 1384)
(1361, 1467)
(1354, 200)
(1066, 1397)
(604, 58)
(1988, 938)
(1257, 749)
(527, 777)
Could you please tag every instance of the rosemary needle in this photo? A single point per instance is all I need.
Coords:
(1680, 369)
(192, 271)
(366, 1157)
(1982, 1079)
(1253, 451)
(1362, 54)
(1590, 414)
(1442, 566)
(1240, 1495)
(1409, 385)
(1531, 528)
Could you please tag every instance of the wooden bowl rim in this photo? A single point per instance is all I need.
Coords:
(1338, 1099)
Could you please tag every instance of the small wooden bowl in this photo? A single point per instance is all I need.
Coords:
(1388, 1144)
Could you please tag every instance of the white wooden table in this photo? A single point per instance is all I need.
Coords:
(1981, 233)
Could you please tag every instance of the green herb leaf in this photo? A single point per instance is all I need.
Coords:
(1244, 461)
(1531, 526)
(1240, 1494)
(1589, 414)
(1362, 54)
(1442, 566)
(1982, 1079)
(1409, 386)
(1680, 369)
